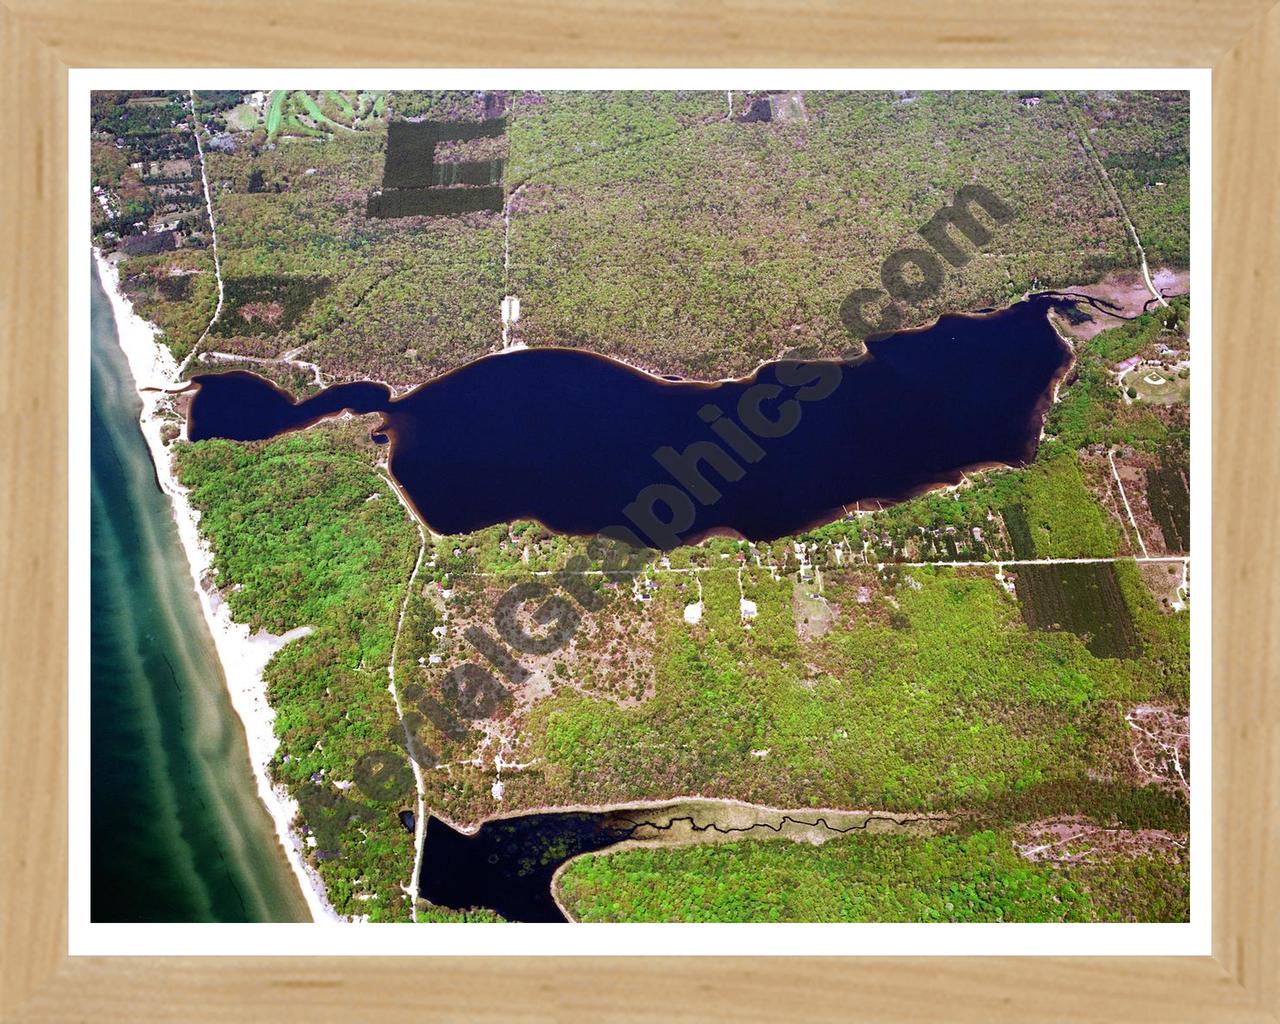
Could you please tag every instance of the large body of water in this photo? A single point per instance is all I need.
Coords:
(177, 830)
(585, 444)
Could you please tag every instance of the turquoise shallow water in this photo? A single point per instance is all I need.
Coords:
(177, 830)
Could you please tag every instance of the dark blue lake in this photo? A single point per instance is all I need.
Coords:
(586, 445)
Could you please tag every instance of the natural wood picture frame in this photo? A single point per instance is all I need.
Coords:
(39, 41)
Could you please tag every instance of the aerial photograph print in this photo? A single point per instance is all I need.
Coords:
(627, 506)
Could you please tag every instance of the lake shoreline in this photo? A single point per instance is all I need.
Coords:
(242, 655)
(996, 385)
(1106, 287)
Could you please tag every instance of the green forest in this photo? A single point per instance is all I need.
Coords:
(661, 228)
(932, 695)
(305, 532)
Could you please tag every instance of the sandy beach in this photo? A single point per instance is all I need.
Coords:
(243, 655)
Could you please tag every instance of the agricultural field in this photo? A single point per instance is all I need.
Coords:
(432, 202)
(1169, 497)
(413, 148)
(1019, 531)
(421, 178)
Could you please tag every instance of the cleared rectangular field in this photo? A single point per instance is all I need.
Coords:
(1015, 523)
(1084, 599)
(1170, 502)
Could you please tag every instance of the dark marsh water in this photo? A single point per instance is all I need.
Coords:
(507, 864)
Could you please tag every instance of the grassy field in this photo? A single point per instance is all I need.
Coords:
(243, 118)
(1159, 385)
(297, 114)
(275, 112)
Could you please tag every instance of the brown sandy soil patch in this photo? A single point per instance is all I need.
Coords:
(613, 652)
(1171, 282)
(267, 312)
(856, 595)
(1127, 295)
(1160, 738)
(1163, 580)
(610, 654)
(1072, 839)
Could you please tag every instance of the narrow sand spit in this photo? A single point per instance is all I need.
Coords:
(243, 655)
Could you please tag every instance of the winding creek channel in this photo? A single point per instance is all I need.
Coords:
(510, 864)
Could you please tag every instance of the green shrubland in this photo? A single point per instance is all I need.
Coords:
(961, 878)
